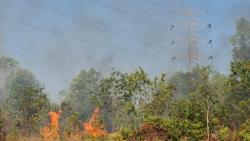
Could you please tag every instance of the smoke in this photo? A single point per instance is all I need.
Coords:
(105, 64)
(3, 77)
(56, 60)
(65, 59)
(2, 40)
(223, 47)
(241, 9)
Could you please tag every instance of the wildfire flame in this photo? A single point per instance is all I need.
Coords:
(52, 131)
(94, 127)
(54, 116)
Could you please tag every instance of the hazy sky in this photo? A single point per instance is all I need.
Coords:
(55, 39)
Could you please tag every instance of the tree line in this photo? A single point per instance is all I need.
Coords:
(192, 105)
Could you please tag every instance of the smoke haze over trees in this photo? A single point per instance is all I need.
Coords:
(106, 95)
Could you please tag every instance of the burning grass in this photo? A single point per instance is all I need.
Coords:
(93, 129)
(51, 132)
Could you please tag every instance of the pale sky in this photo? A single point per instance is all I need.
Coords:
(55, 39)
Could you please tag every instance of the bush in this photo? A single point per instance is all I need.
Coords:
(176, 129)
(223, 133)
(116, 136)
(125, 133)
(244, 132)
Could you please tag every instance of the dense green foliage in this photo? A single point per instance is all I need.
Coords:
(240, 40)
(188, 105)
(26, 104)
(176, 128)
(79, 97)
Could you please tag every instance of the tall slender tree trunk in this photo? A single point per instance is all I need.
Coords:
(208, 108)
(208, 126)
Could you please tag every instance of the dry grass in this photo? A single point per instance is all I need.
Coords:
(73, 138)
(26, 139)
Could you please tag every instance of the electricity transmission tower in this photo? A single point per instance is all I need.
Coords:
(192, 52)
(193, 39)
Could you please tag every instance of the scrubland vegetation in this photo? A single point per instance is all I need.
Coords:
(198, 105)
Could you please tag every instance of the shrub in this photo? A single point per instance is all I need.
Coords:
(244, 132)
(178, 128)
(223, 133)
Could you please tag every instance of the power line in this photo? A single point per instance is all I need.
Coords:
(105, 27)
(88, 41)
(150, 21)
(192, 58)
(85, 18)
(76, 38)
(88, 20)
(135, 16)
(207, 25)
(124, 12)
(173, 11)
(85, 40)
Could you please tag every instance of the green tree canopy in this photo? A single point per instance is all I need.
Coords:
(241, 40)
(79, 97)
(27, 102)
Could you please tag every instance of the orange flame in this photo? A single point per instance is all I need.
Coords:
(52, 131)
(54, 116)
(94, 127)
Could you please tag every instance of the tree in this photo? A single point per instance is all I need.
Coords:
(27, 103)
(240, 41)
(7, 67)
(238, 96)
(120, 96)
(80, 95)
(2, 127)
(8, 64)
(162, 93)
(239, 80)
(186, 82)
(182, 82)
(201, 103)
